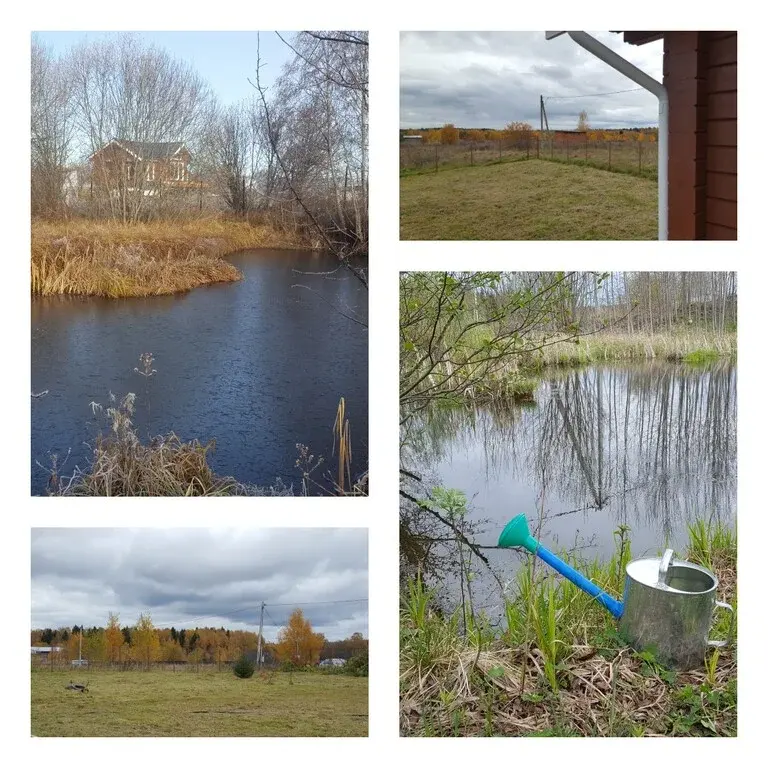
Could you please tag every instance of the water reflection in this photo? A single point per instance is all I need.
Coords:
(650, 446)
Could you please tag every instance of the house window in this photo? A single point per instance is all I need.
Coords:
(150, 172)
(178, 171)
(130, 169)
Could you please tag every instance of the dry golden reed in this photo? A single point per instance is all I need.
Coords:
(90, 258)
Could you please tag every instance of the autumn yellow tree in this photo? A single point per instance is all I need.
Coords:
(475, 135)
(114, 638)
(298, 643)
(449, 134)
(583, 124)
(74, 644)
(144, 641)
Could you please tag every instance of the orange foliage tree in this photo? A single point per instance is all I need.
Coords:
(449, 134)
(474, 135)
(114, 637)
(298, 643)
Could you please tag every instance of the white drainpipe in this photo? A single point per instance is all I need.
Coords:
(604, 53)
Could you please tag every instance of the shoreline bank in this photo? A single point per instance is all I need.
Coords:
(111, 260)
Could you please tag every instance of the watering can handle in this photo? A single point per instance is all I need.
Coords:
(723, 643)
(664, 565)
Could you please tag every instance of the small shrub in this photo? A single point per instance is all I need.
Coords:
(357, 666)
(244, 668)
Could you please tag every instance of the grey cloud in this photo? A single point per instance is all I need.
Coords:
(487, 79)
(80, 575)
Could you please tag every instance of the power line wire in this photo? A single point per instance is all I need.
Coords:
(591, 95)
(320, 602)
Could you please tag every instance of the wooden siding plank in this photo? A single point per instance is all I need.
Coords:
(722, 212)
(723, 50)
(722, 185)
(721, 159)
(721, 78)
(722, 106)
(722, 133)
(718, 232)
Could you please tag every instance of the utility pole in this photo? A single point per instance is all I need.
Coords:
(543, 122)
(80, 654)
(261, 627)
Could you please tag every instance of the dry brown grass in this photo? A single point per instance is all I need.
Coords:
(121, 465)
(96, 258)
(618, 696)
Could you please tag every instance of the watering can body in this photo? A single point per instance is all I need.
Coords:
(672, 617)
(667, 607)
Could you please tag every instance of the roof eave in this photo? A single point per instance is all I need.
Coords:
(641, 38)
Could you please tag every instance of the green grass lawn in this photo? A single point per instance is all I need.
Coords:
(528, 200)
(208, 703)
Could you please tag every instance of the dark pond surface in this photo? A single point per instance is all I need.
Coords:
(259, 365)
(648, 446)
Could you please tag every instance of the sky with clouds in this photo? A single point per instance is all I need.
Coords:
(201, 577)
(488, 79)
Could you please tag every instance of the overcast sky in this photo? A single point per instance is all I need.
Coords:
(488, 79)
(190, 577)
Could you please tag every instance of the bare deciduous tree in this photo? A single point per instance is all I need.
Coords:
(52, 128)
(317, 127)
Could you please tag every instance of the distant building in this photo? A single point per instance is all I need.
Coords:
(332, 663)
(141, 164)
(415, 139)
(79, 663)
(41, 650)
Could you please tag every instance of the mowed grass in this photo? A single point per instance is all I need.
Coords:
(206, 703)
(528, 200)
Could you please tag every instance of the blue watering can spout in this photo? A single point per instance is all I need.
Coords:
(516, 534)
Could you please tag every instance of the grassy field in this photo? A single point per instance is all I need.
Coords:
(103, 258)
(527, 200)
(208, 703)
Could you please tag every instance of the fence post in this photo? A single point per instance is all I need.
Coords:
(471, 158)
(567, 150)
(640, 156)
(538, 146)
(499, 149)
(436, 158)
(609, 155)
(586, 147)
(552, 146)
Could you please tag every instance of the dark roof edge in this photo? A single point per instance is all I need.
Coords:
(640, 38)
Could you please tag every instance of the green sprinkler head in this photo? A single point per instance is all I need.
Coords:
(516, 534)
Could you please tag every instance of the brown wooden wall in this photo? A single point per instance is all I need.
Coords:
(700, 75)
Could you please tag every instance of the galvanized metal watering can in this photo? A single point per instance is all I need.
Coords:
(668, 603)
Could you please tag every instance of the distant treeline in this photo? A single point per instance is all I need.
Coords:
(463, 132)
(519, 131)
(144, 643)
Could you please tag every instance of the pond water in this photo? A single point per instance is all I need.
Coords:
(649, 446)
(259, 365)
